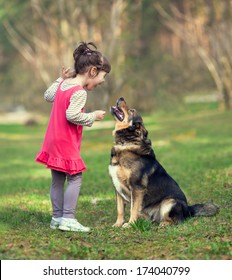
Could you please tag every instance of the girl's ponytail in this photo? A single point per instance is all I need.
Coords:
(86, 55)
(83, 49)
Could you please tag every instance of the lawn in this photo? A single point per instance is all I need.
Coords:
(194, 147)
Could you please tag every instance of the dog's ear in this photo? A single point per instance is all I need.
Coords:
(145, 132)
(139, 126)
(137, 120)
(135, 125)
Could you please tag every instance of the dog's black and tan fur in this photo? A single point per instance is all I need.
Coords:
(139, 178)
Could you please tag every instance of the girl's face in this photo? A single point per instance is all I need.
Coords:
(95, 79)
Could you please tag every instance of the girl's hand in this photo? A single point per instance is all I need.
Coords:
(67, 73)
(99, 115)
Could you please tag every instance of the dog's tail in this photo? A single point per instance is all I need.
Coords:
(207, 209)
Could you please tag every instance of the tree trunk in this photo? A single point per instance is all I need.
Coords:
(211, 43)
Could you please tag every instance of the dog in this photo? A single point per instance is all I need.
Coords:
(139, 179)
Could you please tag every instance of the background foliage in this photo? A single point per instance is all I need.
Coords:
(147, 42)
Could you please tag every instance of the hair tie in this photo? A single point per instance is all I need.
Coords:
(87, 52)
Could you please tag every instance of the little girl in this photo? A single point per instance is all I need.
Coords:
(61, 148)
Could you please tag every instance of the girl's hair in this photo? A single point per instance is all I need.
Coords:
(86, 55)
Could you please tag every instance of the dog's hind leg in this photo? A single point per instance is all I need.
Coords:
(136, 205)
(165, 208)
(173, 212)
(120, 210)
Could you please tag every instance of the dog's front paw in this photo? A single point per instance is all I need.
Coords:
(117, 224)
(126, 225)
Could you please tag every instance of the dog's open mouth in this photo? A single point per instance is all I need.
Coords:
(117, 112)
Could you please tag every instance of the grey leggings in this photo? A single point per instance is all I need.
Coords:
(64, 202)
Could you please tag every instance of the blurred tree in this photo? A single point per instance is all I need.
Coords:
(57, 26)
(150, 66)
(206, 27)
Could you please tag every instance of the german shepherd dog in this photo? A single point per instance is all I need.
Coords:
(139, 179)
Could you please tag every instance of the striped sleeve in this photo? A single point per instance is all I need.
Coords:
(50, 93)
(74, 114)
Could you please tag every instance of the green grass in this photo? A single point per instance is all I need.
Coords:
(195, 148)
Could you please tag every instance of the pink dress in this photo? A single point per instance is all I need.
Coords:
(62, 142)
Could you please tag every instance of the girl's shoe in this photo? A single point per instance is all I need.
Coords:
(55, 223)
(68, 224)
